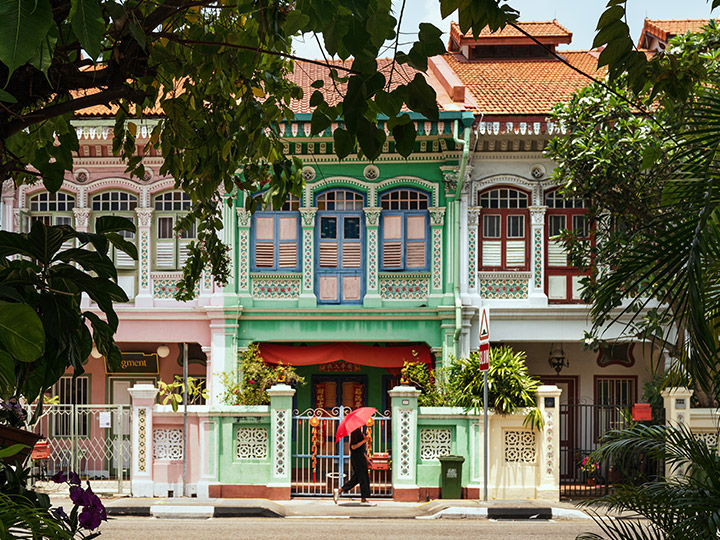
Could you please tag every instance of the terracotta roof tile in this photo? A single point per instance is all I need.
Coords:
(546, 29)
(666, 29)
(522, 87)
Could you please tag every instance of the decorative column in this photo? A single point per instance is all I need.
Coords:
(144, 298)
(404, 403)
(437, 222)
(243, 252)
(372, 249)
(537, 293)
(281, 396)
(473, 217)
(8, 199)
(141, 471)
(307, 291)
(548, 453)
(82, 219)
(677, 414)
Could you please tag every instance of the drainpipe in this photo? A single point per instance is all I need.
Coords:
(467, 120)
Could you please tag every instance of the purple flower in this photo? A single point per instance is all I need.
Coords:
(74, 478)
(59, 477)
(59, 513)
(77, 495)
(90, 517)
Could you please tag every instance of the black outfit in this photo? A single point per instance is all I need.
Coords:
(359, 463)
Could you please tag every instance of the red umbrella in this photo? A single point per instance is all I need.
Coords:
(354, 420)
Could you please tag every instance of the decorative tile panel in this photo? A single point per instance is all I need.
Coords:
(280, 447)
(472, 257)
(207, 280)
(144, 259)
(405, 470)
(168, 443)
(142, 444)
(307, 247)
(503, 288)
(520, 446)
(165, 288)
(404, 288)
(538, 258)
(244, 260)
(372, 258)
(437, 258)
(285, 288)
(549, 446)
(252, 443)
(435, 442)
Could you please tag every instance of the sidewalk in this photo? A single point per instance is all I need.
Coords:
(299, 508)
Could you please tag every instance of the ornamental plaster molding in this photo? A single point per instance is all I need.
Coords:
(166, 275)
(26, 191)
(82, 217)
(412, 181)
(473, 215)
(537, 214)
(162, 185)
(125, 184)
(308, 216)
(144, 216)
(8, 188)
(243, 217)
(372, 216)
(437, 216)
(337, 181)
(535, 188)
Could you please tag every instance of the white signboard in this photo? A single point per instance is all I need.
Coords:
(105, 418)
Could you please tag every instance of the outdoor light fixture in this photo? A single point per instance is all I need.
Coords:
(95, 353)
(557, 358)
(163, 351)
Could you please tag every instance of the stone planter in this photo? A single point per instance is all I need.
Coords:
(11, 435)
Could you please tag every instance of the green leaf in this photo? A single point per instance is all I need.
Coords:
(107, 224)
(45, 241)
(295, 22)
(422, 98)
(370, 138)
(23, 26)
(404, 135)
(390, 104)
(615, 50)
(319, 123)
(21, 331)
(7, 373)
(318, 84)
(344, 143)
(88, 25)
(7, 97)
(123, 245)
(611, 14)
(138, 34)
(91, 261)
(11, 450)
(616, 29)
(43, 57)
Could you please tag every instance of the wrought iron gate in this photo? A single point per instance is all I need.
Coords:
(581, 428)
(92, 440)
(319, 464)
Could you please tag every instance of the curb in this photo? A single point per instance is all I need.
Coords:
(539, 512)
(182, 512)
(244, 511)
(137, 511)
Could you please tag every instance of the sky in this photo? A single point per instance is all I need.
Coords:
(578, 16)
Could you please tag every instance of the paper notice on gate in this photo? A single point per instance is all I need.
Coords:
(105, 418)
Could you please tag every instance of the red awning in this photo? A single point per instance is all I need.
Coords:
(364, 355)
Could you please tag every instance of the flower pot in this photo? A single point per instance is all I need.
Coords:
(11, 435)
(590, 482)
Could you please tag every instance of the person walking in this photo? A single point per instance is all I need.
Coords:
(359, 464)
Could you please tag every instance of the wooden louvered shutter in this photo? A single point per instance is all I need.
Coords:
(491, 252)
(556, 253)
(392, 242)
(351, 255)
(328, 254)
(415, 242)
(515, 253)
(264, 242)
(165, 244)
(288, 248)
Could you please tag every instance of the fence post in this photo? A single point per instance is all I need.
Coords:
(677, 414)
(548, 480)
(404, 401)
(141, 471)
(281, 396)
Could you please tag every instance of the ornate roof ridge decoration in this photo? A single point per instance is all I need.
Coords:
(300, 129)
(544, 127)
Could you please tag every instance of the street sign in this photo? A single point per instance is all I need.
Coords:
(484, 355)
(484, 328)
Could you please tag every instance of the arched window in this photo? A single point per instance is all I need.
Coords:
(50, 208)
(504, 229)
(340, 200)
(171, 247)
(563, 213)
(404, 230)
(275, 234)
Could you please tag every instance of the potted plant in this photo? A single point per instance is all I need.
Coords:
(172, 393)
(590, 467)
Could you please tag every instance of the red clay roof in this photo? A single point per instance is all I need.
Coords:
(522, 87)
(666, 29)
(539, 29)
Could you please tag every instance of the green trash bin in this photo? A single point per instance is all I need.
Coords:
(451, 477)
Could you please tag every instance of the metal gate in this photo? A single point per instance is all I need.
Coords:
(319, 464)
(92, 440)
(581, 428)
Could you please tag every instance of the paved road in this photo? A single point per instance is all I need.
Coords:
(126, 528)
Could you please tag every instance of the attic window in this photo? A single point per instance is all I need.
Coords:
(508, 51)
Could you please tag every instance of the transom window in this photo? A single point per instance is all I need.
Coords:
(114, 201)
(555, 199)
(291, 204)
(275, 233)
(404, 199)
(504, 229)
(504, 198)
(339, 200)
(52, 202)
(173, 201)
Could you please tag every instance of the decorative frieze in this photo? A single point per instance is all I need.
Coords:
(404, 288)
(435, 442)
(276, 288)
(252, 443)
